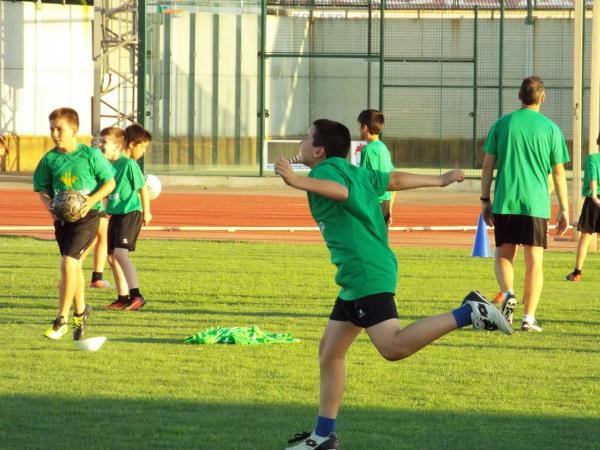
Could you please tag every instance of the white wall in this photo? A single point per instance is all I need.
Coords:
(45, 63)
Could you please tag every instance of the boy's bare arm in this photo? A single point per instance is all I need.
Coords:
(47, 202)
(325, 188)
(145, 198)
(104, 191)
(487, 175)
(400, 181)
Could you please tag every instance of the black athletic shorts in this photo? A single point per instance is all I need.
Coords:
(589, 219)
(366, 311)
(123, 230)
(517, 229)
(74, 238)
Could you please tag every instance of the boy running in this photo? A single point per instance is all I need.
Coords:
(342, 200)
(70, 165)
(129, 207)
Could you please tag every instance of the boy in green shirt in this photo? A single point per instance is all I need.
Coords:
(376, 156)
(343, 201)
(70, 165)
(129, 207)
(589, 219)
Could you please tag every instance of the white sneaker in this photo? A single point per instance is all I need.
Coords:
(486, 316)
(532, 326)
(311, 441)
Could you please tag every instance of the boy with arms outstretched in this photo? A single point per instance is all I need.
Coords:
(343, 201)
(129, 207)
(70, 165)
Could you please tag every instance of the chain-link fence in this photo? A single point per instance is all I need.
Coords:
(441, 71)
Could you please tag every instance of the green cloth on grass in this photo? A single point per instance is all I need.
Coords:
(238, 335)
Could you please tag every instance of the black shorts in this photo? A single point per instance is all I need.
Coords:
(589, 219)
(517, 229)
(123, 231)
(74, 238)
(366, 311)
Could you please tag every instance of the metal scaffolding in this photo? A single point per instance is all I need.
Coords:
(115, 53)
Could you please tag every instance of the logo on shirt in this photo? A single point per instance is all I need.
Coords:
(124, 240)
(68, 179)
(322, 227)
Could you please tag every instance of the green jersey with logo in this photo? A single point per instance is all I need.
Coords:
(129, 179)
(526, 145)
(376, 156)
(85, 170)
(592, 173)
(354, 230)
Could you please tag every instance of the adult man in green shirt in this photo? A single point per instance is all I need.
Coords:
(525, 147)
(343, 202)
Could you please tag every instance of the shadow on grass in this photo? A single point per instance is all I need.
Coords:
(111, 423)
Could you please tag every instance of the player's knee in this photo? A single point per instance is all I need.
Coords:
(394, 354)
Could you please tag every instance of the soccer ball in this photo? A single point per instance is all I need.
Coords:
(66, 205)
(153, 185)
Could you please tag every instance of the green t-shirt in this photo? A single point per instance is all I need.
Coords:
(354, 230)
(376, 156)
(592, 173)
(129, 179)
(85, 169)
(526, 145)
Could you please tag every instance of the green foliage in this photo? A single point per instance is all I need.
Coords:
(147, 389)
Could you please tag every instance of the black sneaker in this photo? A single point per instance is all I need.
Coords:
(508, 307)
(80, 321)
(311, 441)
(484, 315)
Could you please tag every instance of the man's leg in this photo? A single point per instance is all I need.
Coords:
(337, 338)
(122, 257)
(582, 248)
(534, 279)
(505, 273)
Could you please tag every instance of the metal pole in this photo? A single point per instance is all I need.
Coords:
(261, 86)
(594, 89)
(474, 139)
(577, 109)
(381, 52)
(501, 60)
(369, 51)
(140, 63)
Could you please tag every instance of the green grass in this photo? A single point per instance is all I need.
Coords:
(145, 389)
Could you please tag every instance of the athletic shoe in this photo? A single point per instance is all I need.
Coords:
(118, 305)
(100, 284)
(486, 316)
(79, 322)
(535, 326)
(136, 303)
(311, 441)
(58, 329)
(508, 307)
(574, 277)
(499, 298)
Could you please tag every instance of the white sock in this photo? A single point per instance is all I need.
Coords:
(529, 319)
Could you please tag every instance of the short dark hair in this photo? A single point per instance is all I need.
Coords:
(65, 113)
(116, 133)
(333, 136)
(136, 134)
(532, 89)
(373, 119)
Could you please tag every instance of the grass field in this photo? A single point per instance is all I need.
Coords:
(147, 390)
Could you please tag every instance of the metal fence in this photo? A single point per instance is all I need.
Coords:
(223, 78)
